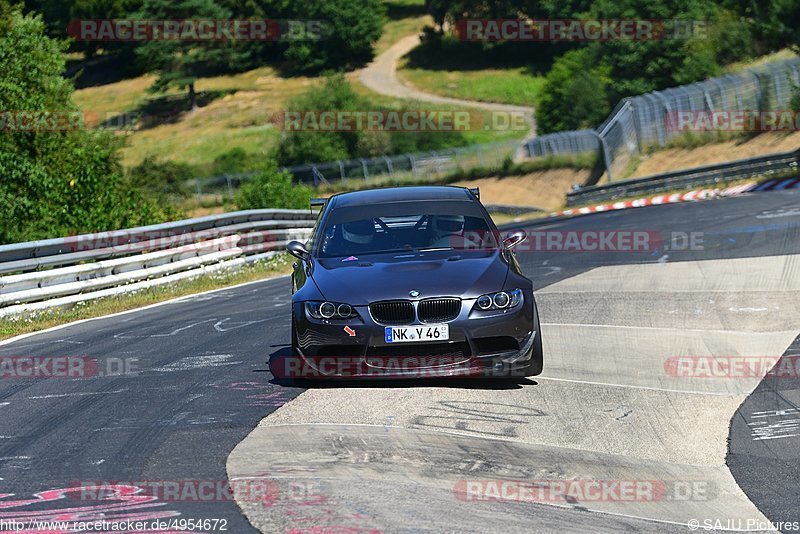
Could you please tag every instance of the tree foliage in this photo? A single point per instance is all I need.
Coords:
(179, 62)
(588, 78)
(350, 29)
(54, 182)
(272, 188)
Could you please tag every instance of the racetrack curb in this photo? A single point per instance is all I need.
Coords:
(697, 194)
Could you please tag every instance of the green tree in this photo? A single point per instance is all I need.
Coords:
(272, 188)
(350, 29)
(179, 62)
(54, 181)
(575, 93)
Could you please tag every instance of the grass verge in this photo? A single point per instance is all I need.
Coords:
(503, 86)
(277, 265)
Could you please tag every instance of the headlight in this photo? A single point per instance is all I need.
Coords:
(502, 300)
(330, 310)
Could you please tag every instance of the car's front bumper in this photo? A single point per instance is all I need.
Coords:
(496, 345)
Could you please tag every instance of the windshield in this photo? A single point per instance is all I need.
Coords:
(361, 236)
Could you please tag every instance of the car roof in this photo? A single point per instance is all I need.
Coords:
(401, 194)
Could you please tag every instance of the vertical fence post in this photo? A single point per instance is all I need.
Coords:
(230, 185)
(365, 170)
(341, 173)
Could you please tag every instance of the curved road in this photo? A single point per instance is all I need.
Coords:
(381, 77)
(198, 404)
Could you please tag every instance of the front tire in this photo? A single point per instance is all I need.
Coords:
(537, 356)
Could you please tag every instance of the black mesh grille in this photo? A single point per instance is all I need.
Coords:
(438, 310)
(449, 352)
(392, 312)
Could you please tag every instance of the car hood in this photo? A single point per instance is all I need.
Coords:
(385, 277)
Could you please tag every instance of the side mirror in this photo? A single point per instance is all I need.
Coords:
(514, 238)
(298, 250)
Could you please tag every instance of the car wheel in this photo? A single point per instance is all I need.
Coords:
(295, 350)
(537, 358)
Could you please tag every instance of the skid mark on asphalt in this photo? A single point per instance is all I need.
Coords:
(474, 417)
(190, 363)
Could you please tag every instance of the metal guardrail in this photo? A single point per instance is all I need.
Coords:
(62, 245)
(63, 271)
(759, 166)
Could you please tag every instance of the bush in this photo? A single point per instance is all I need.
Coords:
(159, 179)
(311, 146)
(236, 161)
(794, 102)
(273, 188)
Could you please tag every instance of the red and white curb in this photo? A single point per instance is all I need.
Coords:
(698, 194)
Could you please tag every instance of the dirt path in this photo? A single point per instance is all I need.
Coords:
(381, 77)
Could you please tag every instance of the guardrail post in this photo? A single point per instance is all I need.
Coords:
(365, 170)
(605, 155)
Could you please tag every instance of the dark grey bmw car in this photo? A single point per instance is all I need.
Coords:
(410, 282)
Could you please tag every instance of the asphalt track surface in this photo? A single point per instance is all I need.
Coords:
(202, 405)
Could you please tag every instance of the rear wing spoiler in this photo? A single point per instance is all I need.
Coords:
(320, 202)
(317, 203)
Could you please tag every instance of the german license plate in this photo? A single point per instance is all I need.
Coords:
(417, 334)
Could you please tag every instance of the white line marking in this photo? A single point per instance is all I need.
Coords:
(77, 394)
(626, 291)
(680, 329)
(648, 388)
(4, 403)
(124, 335)
(218, 326)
